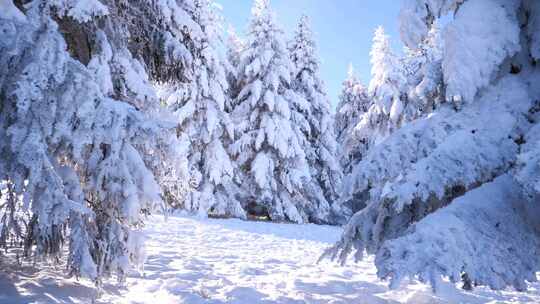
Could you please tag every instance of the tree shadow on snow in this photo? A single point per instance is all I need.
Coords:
(25, 284)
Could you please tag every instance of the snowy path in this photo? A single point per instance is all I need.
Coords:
(230, 261)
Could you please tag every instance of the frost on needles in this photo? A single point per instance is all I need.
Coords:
(84, 141)
(318, 141)
(267, 149)
(112, 110)
(198, 99)
(453, 192)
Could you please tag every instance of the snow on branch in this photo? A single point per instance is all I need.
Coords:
(485, 234)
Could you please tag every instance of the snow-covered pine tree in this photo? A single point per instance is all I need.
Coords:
(381, 113)
(235, 47)
(198, 100)
(387, 90)
(426, 91)
(136, 65)
(76, 112)
(273, 164)
(354, 101)
(401, 90)
(455, 194)
(320, 142)
(528, 165)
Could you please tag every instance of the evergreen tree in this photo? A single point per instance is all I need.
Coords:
(422, 68)
(78, 115)
(354, 101)
(268, 150)
(462, 181)
(235, 47)
(320, 143)
(387, 88)
(198, 101)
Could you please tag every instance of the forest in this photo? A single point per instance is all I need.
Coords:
(133, 124)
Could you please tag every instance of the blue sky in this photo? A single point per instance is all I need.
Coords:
(343, 28)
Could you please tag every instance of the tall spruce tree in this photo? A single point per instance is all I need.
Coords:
(387, 88)
(354, 101)
(422, 68)
(320, 141)
(235, 46)
(198, 100)
(268, 151)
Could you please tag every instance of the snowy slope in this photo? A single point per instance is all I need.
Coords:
(230, 261)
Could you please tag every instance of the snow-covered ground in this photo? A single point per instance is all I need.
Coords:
(229, 261)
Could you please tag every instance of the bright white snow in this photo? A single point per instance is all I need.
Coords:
(230, 261)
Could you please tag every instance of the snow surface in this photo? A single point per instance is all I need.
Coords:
(9, 11)
(230, 261)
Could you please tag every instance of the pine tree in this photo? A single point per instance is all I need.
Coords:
(235, 47)
(268, 151)
(199, 104)
(463, 180)
(320, 142)
(81, 123)
(429, 92)
(386, 87)
(354, 101)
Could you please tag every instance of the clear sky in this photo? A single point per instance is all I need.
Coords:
(343, 28)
